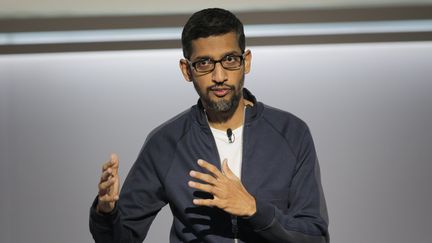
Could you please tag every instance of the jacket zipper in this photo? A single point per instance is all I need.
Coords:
(234, 219)
(234, 225)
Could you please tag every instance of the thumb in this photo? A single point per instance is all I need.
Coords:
(227, 171)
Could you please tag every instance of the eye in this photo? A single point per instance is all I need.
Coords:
(230, 59)
(203, 63)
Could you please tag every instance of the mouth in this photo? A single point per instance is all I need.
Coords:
(220, 91)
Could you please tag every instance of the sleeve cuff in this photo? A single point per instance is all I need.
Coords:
(262, 218)
(100, 218)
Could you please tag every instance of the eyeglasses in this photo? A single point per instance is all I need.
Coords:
(207, 65)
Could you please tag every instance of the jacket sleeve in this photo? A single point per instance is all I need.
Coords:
(141, 198)
(305, 219)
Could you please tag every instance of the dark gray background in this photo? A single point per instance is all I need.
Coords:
(368, 106)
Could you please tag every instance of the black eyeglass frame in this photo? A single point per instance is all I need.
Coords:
(192, 64)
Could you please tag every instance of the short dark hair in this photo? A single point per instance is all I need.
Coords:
(208, 22)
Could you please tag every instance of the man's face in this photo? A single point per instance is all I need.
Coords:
(220, 90)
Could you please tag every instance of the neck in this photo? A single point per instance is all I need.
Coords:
(233, 122)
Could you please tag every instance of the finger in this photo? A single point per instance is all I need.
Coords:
(112, 162)
(203, 187)
(115, 189)
(108, 198)
(106, 184)
(205, 202)
(107, 164)
(227, 171)
(204, 177)
(211, 168)
(106, 175)
(115, 163)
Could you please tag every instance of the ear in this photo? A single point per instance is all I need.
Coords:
(247, 61)
(185, 69)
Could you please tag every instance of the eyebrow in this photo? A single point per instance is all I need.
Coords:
(224, 55)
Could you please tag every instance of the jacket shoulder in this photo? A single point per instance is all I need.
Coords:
(172, 129)
(283, 121)
(293, 129)
(161, 144)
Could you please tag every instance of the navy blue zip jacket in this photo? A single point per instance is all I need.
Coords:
(279, 168)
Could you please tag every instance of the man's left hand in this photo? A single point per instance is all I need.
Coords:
(228, 192)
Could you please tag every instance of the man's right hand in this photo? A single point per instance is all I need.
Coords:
(108, 186)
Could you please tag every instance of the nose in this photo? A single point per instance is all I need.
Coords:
(219, 73)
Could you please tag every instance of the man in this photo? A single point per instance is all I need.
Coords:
(231, 168)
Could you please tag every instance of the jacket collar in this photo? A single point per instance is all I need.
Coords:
(252, 112)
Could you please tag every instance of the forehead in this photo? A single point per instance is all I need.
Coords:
(215, 46)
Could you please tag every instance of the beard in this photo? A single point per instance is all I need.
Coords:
(223, 109)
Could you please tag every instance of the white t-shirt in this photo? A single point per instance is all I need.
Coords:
(232, 151)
